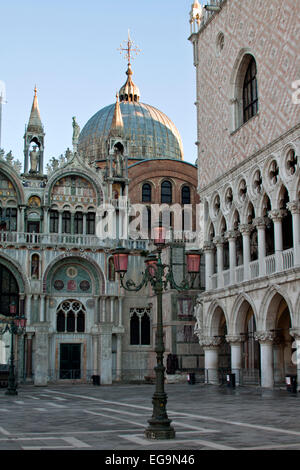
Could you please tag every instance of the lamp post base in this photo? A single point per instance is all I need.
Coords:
(159, 430)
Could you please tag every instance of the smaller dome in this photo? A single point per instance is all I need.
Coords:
(129, 91)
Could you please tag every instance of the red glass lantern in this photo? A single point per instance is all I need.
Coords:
(151, 263)
(193, 261)
(20, 322)
(159, 235)
(121, 260)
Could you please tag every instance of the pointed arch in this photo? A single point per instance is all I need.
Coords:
(240, 309)
(269, 307)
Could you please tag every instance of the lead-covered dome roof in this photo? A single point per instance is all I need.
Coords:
(150, 133)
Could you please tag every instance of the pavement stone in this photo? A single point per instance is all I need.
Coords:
(113, 418)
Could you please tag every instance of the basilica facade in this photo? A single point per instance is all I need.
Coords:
(57, 237)
(248, 126)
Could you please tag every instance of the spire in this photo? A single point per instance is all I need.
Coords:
(117, 126)
(129, 91)
(35, 123)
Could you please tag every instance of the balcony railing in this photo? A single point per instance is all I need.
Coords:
(54, 239)
(275, 263)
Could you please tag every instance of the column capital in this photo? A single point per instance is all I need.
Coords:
(231, 235)
(234, 339)
(294, 207)
(295, 333)
(208, 246)
(245, 229)
(260, 222)
(210, 342)
(277, 214)
(219, 240)
(266, 337)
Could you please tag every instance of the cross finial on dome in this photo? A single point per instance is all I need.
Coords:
(129, 91)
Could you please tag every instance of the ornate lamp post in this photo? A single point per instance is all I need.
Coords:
(16, 326)
(160, 276)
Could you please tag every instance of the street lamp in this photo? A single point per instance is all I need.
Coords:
(16, 326)
(160, 276)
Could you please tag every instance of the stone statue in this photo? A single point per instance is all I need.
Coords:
(76, 132)
(118, 159)
(34, 160)
(198, 313)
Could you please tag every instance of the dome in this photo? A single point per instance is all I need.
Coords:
(150, 133)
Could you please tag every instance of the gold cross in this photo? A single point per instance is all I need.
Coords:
(129, 49)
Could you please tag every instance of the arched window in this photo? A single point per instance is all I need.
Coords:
(9, 291)
(145, 329)
(185, 195)
(54, 221)
(35, 264)
(90, 223)
(70, 317)
(166, 192)
(140, 326)
(146, 192)
(134, 329)
(78, 223)
(250, 96)
(66, 222)
(60, 322)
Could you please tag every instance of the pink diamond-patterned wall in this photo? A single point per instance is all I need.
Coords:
(270, 31)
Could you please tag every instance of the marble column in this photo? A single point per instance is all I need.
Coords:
(119, 357)
(235, 342)
(231, 237)
(42, 308)
(294, 208)
(266, 339)
(211, 358)
(28, 308)
(112, 305)
(103, 313)
(276, 216)
(295, 333)
(105, 354)
(219, 242)
(60, 222)
(260, 224)
(120, 304)
(41, 359)
(29, 357)
(245, 230)
(209, 264)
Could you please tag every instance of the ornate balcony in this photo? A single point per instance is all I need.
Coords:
(66, 240)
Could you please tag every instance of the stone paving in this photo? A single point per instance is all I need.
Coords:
(205, 417)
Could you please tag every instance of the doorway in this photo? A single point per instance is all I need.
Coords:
(70, 359)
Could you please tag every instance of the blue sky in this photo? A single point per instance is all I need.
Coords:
(69, 49)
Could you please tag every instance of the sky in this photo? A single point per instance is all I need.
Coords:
(69, 50)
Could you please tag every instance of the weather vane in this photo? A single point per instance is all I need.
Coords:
(129, 49)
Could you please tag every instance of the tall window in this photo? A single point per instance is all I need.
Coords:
(54, 221)
(11, 219)
(185, 195)
(66, 222)
(78, 223)
(9, 291)
(140, 326)
(146, 192)
(90, 223)
(250, 96)
(166, 192)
